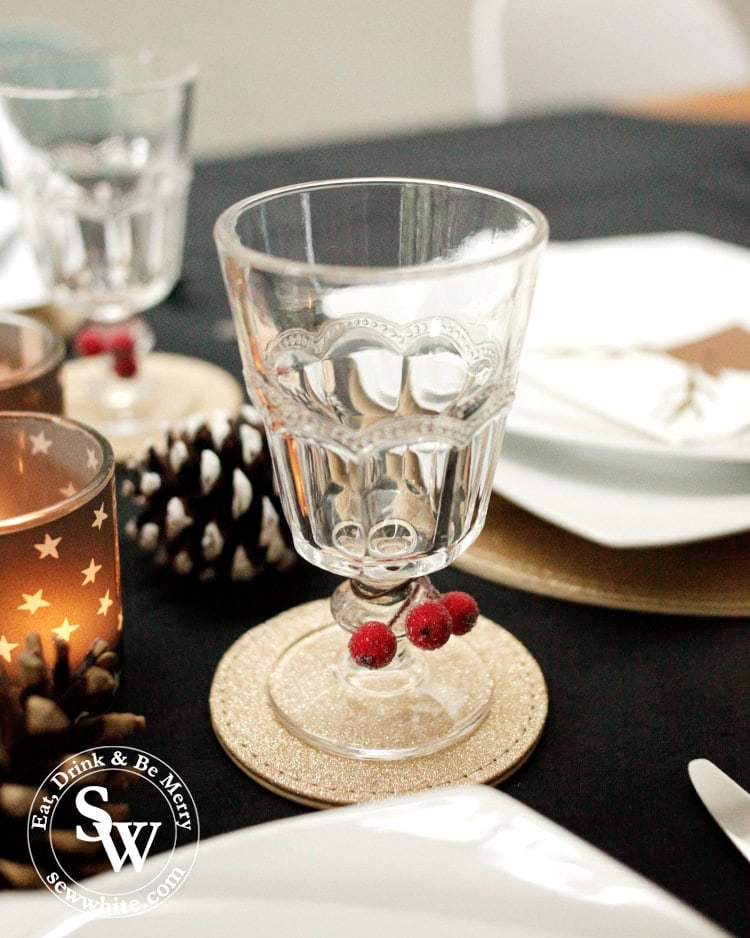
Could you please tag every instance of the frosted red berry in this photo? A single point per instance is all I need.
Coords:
(94, 340)
(428, 625)
(120, 342)
(463, 610)
(122, 347)
(373, 645)
(125, 364)
(90, 341)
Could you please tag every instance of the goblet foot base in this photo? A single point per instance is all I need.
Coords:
(175, 387)
(414, 707)
(245, 720)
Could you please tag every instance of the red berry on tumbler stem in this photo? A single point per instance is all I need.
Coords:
(121, 342)
(463, 610)
(373, 645)
(90, 341)
(428, 625)
(125, 364)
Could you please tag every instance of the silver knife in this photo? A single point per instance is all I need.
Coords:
(727, 802)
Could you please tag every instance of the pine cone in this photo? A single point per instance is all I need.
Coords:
(49, 715)
(210, 508)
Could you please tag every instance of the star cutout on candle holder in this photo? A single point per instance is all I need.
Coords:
(104, 603)
(89, 574)
(33, 602)
(65, 630)
(92, 461)
(49, 547)
(100, 516)
(69, 490)
(6, 648)
(39, 443)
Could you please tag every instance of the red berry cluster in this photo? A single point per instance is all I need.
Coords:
(429, 624)
(118, 342)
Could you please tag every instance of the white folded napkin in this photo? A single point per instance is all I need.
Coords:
(650, 331)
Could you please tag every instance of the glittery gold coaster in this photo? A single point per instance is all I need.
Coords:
(255, 740)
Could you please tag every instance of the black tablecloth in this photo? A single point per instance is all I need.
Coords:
(633, 697)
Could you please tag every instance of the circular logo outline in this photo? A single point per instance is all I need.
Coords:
(133, 899)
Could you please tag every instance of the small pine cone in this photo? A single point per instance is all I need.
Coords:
(50, 714)
(209, 505)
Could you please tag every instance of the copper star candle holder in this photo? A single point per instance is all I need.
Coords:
(31, 356)
(59, 553)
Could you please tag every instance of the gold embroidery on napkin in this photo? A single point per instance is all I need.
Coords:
(727, 349)
(706, 358)
(696, 392)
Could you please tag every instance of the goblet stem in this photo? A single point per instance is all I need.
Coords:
(119, 392)
(360, 600)
(122, 398)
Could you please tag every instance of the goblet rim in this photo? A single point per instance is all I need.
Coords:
(69, 503)
(230, 245)
(176, 73)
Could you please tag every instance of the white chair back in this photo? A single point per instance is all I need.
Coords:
(534, 55)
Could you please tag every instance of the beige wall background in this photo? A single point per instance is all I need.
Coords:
(281, 72)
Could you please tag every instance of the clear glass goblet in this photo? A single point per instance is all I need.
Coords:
(380, 323)
(95, 147)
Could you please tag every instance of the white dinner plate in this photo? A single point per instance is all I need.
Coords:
(596, 476)
(624, 499)
(462, 862)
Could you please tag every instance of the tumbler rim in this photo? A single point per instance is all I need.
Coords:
(176, 73)
(230, 245)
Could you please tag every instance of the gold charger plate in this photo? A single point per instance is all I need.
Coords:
(705, 578)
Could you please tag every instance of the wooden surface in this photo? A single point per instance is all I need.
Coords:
(731, 106)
